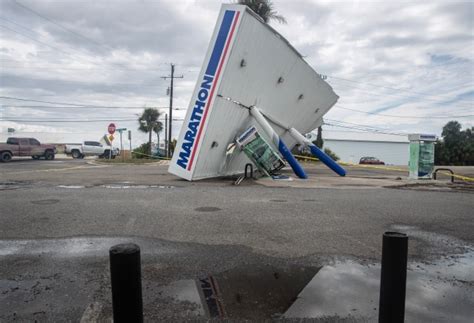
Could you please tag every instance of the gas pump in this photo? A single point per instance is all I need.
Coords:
(422, 150)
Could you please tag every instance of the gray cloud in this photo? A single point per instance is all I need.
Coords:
(118, 51)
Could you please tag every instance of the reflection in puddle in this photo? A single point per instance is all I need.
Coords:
(441, 291)
(435, 292)
(256, 292)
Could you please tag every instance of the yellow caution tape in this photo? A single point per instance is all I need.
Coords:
(306, 157)
(154, 157)
(398, 169)
(464, 178)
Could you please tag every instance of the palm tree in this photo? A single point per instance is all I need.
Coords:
(149, 122)
(264, 8)
(157, 129)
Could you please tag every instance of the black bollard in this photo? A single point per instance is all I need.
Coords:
(125, 273)
(393, 277)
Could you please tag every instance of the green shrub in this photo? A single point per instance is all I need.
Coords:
(331, 154)
(142, 151)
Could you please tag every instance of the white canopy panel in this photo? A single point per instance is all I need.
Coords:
(249, 62)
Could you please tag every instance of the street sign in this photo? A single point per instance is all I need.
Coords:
(111, 138)
(111, 128)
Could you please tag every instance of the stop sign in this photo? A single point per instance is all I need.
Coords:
(111, 128)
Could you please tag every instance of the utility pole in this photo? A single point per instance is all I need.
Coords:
(130, 142)
(172, 77)
(166, 134)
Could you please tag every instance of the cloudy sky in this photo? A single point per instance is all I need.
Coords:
(398, 66)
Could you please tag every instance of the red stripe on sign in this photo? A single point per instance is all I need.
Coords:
(212, 90)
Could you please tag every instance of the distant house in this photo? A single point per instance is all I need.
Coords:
(351, 146)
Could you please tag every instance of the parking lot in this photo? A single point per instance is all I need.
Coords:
(59, 218)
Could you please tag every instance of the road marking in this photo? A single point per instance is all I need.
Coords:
(91, 313)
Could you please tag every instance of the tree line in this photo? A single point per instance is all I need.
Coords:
(456, 147)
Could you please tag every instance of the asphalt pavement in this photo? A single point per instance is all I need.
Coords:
(59, 218)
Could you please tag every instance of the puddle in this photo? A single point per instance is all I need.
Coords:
(71, 186)
(257, 292)
(207, 209)
(440, 291)
(120, 186)
(4, 186)
(72, 247)
(45, 202)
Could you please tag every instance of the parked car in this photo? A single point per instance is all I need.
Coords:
(90, 148)
(371, 161)
(23, 147)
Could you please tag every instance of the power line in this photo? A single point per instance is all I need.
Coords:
(364, 127)
(86, 83)
(33, 39)
(59, 25)
(76, 120)
(121, 66)
(40, 121)
(17, 24)
(58, 67)
(389, 88)
(73, 105)
(75, 33)
(80, 108)
(404, 117)
(70, 107)
(401, 96)
(360, 125)
(365, 130)
(45, 44)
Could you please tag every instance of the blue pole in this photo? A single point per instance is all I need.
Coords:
(321, 155)
(286, 153)
(282, 148)
(328, 161)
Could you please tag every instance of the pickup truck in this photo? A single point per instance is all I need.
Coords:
(22, 147)
(89, 148)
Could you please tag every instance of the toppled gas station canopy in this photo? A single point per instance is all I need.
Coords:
(249, 62)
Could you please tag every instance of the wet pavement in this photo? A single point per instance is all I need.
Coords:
(68, 280)
(441, 291)
(215, 251)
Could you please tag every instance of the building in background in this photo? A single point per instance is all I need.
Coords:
(352, 146)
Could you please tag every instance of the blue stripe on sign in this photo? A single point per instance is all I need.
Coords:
(220, 42)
